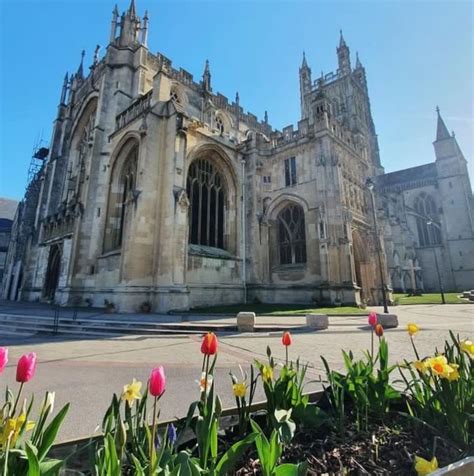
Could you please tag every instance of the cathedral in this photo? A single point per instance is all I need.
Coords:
(158, 193)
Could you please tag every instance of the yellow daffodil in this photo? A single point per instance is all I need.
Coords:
(12, 428)
(439, 366)
(424, 467)
(468, 347)
(239, 389)
(412, 329)
(267, 373)
(131, 392)
(454, 375)
(420, 366)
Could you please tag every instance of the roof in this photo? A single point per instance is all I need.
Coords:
(421, 172)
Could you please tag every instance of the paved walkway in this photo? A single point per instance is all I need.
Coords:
(87, 372)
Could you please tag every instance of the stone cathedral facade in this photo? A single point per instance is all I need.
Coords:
(158, 190)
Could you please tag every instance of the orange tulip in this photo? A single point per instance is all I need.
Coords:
(378, 330)
(286, 339)
(209, 344)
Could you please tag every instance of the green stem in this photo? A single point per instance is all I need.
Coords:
(17, 399)
(153, 435)
(286, 348)
(7, 452)
(206, 382)
(414, 348)
(372, 343)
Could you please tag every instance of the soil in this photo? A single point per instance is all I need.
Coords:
(386, 448)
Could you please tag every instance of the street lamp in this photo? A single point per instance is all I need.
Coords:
(370, 186)
(443, 300)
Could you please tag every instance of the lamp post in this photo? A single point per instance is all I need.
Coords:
(370, 186)
(440, 282)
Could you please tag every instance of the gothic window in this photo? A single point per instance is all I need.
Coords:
(220, 125)
(290, 171)
(291, 235)
(207, 197)
(426, 221)
(121, 195)
(175, 96)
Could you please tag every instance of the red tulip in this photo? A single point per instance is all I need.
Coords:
(372, 318)
(378, 330)
(3, 358)
(209, 344)
(26, 368)
(286, 339)
(157, 382)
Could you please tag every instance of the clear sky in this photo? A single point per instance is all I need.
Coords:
(417, 54)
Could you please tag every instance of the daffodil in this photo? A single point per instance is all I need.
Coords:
(267, 373)
(12, 428)
(205, 384)
(468, 347)
(424, 467)
(420, 366)
(131, 392)
(454, 375)
(439, 366)
(412, 329)
(239, 389)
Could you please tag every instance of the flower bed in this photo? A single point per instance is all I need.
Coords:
(361, 424)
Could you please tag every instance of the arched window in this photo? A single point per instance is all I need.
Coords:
(121, 195)
(220, 125)
(207, 192)
(426, 221)
(291, 235)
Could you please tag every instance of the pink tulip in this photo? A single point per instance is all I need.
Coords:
(26, 368)
(157, 382)
(372, 318)
(3, 358)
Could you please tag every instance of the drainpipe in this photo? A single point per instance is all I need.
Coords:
(242, 231)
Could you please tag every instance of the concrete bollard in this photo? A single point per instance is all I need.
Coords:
(246, 321)
(388, 321)
(317, 321)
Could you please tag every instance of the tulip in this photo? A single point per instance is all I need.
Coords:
(157, 382)
(48, 402)
(3, 358)
(267, 373)
(372, 318)
(209, 344)
(26, 367)
(286, 340)
(378, 330)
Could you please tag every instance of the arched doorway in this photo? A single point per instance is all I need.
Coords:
(361, 261)
(52, 272)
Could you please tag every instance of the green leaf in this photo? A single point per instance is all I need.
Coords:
(33, 463)
(287, 469)
(50, 467)
(234, 454)
(51, 432)
(138, 469)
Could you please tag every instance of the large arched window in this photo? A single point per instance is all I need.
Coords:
(207, 197)
(291, 235)
(121, 195)
(426, 221)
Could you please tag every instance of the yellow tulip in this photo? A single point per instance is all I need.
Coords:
(468, 347)
(239, 389)
(424, 467)
(412, 329)
(12, 428)
(131, 392)
(267, 373)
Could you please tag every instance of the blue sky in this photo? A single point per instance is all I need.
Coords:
(417, 54)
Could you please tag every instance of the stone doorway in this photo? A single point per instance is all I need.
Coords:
(361, 264)
(52, 272)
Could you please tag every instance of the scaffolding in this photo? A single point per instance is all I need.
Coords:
(38, 157)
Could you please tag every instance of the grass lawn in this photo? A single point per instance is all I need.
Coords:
(451, 298)
(278, 309)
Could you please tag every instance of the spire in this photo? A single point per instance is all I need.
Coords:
(206, 78)
(80, 70)
(265, 120)
(132, 10)
(342, 42)
(358, 63)
(441, 129)
(64, 89)
(113, 26)
(237, 98)
(304, 64)
(96, 57)
(145, 29)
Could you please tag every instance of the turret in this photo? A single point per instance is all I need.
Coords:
(130, 26)
(206, 78)
(305, 87)
(113, 26)
(64, 90)
(343, 56)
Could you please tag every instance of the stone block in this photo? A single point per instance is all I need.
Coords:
(317, 321)
(388, 321)
(466, 294)
(246, 321)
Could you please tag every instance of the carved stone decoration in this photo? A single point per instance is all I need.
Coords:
(181, 198)
(321, 160)
(143, 127)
